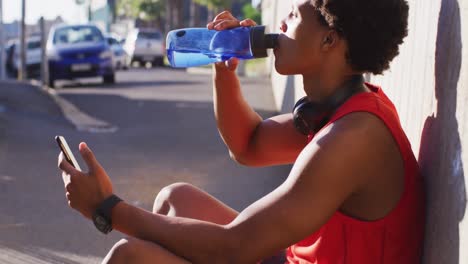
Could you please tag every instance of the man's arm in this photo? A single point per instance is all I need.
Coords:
(322, 178)
(251, 140)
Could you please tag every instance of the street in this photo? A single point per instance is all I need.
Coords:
(163, 131)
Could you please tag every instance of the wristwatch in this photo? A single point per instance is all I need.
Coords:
(102, 216)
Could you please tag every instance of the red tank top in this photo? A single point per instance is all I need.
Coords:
(395, 238)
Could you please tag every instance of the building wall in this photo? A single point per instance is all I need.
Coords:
(428, 83)
(102, 13)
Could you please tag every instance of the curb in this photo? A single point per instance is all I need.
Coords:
(33, 97)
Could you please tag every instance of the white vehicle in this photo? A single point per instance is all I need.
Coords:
(119, 55)
(33, 56)
(145, 45)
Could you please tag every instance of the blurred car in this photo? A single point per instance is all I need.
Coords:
(33, 57)
(119, 55)
(78, 51)
(145, 45)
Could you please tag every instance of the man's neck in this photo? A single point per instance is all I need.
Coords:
(322, 87)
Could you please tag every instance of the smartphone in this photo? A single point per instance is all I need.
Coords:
(62, 143)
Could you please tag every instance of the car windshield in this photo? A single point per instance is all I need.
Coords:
(149, 35)
(34, 45)
(71, 35)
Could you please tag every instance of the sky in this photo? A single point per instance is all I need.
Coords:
(50, 9)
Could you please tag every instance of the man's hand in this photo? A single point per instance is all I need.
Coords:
(225, 20)
(85, 191)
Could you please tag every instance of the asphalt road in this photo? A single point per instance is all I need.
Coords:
(163, 132)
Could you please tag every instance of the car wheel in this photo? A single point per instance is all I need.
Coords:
(110, 78)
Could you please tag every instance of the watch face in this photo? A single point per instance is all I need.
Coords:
(100, 221)
(101, 224)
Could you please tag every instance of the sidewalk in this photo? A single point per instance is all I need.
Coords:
(166, 134)
(26, 98)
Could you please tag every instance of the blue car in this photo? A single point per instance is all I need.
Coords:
(78, 51)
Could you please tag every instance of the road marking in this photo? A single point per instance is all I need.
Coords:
(81, 120)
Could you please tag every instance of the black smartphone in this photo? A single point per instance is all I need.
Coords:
(62, 143)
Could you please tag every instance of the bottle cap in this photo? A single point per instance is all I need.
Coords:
(260, 41)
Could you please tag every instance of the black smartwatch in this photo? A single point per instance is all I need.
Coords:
(102, 216)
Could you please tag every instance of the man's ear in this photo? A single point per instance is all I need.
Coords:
(330, 40)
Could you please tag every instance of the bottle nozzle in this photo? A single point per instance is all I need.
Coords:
(260, 42)
(271, 41)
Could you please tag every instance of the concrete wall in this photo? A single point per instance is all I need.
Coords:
(428, 83)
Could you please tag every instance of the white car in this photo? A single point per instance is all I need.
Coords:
(145, 45)
(33, 56)
(119, 55)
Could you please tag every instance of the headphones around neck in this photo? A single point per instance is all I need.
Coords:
(309, 117)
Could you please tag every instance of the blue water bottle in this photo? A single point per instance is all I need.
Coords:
(190, 47)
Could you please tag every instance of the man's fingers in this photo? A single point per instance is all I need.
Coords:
(232, 63)
(225, 24)
(89, 158)
(210, 25)
(247, 23)
(64, 165)
(66, 179)
(224, 15)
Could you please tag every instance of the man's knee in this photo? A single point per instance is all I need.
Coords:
(171, 195)
(122, 252)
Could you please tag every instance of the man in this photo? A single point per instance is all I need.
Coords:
(354, 194)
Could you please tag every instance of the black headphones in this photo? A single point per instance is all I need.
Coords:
(309, 117)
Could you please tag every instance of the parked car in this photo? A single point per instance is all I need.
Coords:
(145, 45)
(33, 57)
(119, 55)
(78, 51)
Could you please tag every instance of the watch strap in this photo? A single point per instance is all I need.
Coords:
(105, 208)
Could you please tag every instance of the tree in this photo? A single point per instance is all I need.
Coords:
(152, 9)
(147, 12)
(129, 8)
(214, 6)
(250, 12)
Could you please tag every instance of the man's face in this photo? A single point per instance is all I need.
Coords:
(299, 47)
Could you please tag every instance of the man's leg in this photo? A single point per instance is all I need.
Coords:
(185, 200)
(132, 250)
(179, 199)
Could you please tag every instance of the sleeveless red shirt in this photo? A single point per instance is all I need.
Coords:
(396, 238)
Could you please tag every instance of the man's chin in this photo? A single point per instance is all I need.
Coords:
(281, 69)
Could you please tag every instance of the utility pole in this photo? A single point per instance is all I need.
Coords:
(22, 71)
(2, 44)
(44, 61)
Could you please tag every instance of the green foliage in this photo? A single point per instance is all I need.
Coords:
(152, 9)
(129, 8)
(214, 4)
(250, 12)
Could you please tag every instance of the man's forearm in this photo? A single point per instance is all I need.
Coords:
(236, 120)
(181, 236)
